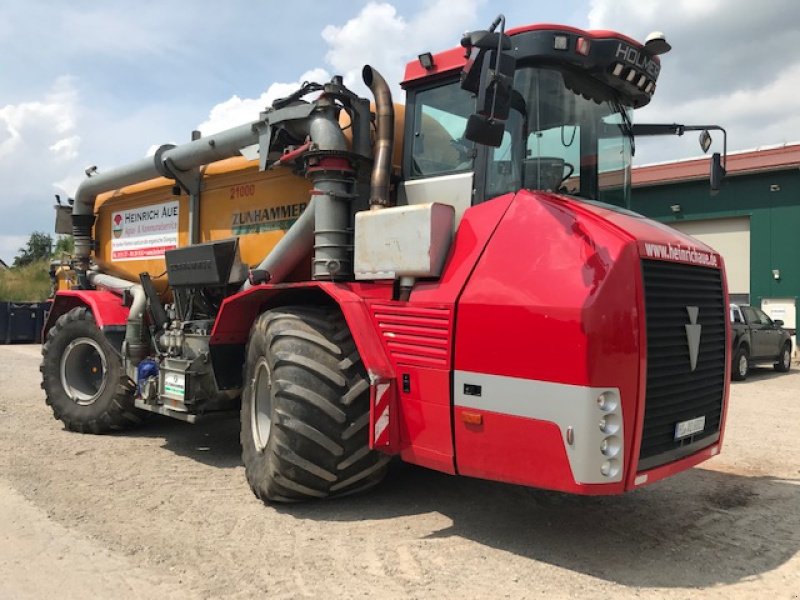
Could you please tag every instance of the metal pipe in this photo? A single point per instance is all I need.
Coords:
(333, 182)
(135, 345)
(384, 139)
(212, 148)
(333, 179)
(166, 160)
(194, 204)
(291, 249)
(113, 284)
(325, 131)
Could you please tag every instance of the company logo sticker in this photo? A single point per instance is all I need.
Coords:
(144, 232)
(116, 228)
(693, 331)
(270, 218)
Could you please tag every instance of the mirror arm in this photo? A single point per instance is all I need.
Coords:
(500, 20)
(647, 129)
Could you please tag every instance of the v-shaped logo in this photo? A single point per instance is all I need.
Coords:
(693, 331)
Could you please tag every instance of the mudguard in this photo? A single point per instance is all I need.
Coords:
(107, 308)
(238, 312)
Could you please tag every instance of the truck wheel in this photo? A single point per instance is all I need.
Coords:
(83, 378)
(305, 408)
(785, 359)
(741, 364)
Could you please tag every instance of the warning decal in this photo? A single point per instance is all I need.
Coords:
(146, 232)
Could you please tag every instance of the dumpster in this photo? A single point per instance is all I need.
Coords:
(3, 322)
(22, 321)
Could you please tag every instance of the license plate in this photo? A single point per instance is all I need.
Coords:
(690, 427)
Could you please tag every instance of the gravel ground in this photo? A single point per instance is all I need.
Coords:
(165, 512)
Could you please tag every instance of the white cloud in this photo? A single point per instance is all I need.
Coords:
(729, 66)
(379, 36)
(66, 148)
(238, 111)
(38, 147)
(33, 123)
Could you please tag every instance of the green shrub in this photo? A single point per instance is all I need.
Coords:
(30, 283)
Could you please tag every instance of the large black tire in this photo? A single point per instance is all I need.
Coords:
(83, 377)
(740, 366)
(305, 408)
(784, 359)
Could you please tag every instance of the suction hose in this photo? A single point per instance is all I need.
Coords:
(134, 338)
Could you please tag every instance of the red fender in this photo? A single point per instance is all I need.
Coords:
(238, 312)
(106, 307)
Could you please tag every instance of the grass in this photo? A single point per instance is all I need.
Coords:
(30, 283)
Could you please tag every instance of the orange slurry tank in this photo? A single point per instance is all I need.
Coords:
(137, 223)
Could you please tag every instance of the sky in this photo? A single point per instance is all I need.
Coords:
(103, 83)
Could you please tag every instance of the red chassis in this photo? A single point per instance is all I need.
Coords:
(549, 300)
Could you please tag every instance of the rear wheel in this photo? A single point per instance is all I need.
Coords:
(741, 364)
(784, 359)
(305, 408)
(83, 377)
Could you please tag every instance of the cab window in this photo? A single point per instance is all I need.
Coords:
(440, 118)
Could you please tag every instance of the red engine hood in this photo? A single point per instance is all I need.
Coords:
(655, 240)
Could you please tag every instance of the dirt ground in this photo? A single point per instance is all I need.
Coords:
(165, 512)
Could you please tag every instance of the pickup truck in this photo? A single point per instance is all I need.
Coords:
(757, 339)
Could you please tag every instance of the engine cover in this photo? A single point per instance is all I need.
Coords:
(209, 264)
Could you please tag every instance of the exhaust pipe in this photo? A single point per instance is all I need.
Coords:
(384, 139)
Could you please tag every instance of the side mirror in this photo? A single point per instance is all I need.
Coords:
(484, 130)
(487, 54)
(778, 322)
(494, 99)
(717, 172)
(705, 140)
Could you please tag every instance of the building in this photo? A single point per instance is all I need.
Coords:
(753, 221)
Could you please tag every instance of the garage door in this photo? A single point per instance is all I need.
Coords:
(731, 238)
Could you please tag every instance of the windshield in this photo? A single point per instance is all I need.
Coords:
(559, 140)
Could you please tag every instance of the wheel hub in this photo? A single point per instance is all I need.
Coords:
(742, 365)
(83, 371)
(261, 411)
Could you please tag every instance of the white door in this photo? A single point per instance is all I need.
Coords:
(731, 238)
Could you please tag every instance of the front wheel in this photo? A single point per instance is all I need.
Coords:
(83, 377)
(741, 364)
(785, 359)
(305, 408)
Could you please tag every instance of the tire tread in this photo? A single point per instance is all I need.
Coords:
(318, 445)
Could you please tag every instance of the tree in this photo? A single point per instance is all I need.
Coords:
(37, 248)
(64, 245)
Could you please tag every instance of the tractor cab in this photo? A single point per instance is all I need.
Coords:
(542, 107)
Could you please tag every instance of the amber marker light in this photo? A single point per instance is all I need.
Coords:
(471, 418)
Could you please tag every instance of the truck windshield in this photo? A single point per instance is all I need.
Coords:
(559, 138)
